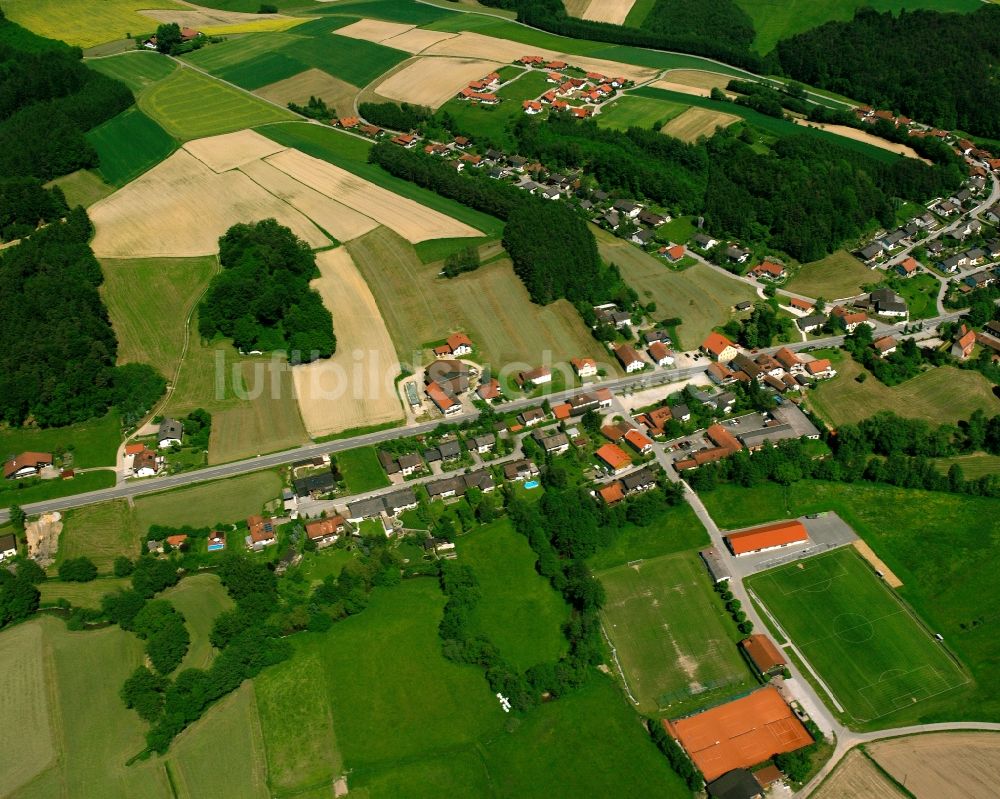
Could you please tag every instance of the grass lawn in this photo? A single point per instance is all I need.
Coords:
(83, 595)
(674, 530)
(83, 23)
(638, 112)
(493, 124)
(361, 469)
(138, 69)
(490, 304)
(83, 187)
(201, 598)
(149, 300)
(204, 505)
(678, 230)
(434, 250)
(351, 153)
(52, 489)
(778, 19)
(93, 443)
(128, 145)
(100, 532)
(920, 293)
(519, 610)
(189, 105)
(700, 296)
(222, 754)
(942, 546)
(675, 641)
(837, 275)
(876, 658)
(941, 394)
(319, 564)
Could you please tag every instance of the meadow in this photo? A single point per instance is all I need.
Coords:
(674, 530)
(838, 275)
(700, 296)
(129, 144)
(492, 124)
(943, 394)
(200, 598)
(84, 23)
(189, 105)
(920, 293)
(82, 595)
(137, 69)
(100, 532)
(52, 489)
(941, 546)
(149, 301)
(875, 657)
(638, 112)
(490, 304)
(675, 641)
(696, 123)
(93, 443)
(83, 187)
(972, 466)
(361, 469)
(519, 611)
(204, 505)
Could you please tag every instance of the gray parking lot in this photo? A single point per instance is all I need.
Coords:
(826, 531)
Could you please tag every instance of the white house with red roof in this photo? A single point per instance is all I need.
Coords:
(719, 348)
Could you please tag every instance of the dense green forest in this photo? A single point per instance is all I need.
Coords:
(48, 100)
(25, 204)
(938, 68)
(57, 348)
(262, 299)
(720, 20)
(398, 116)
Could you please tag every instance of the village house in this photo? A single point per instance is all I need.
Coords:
(610, 315)
(8, 546)
(324, 532)
(720, 374)
(407, 140)
(820, 368)
(455, 345)
(789, 360)
(449, 450)
(314, 485)
(673, 253)
(660, 354)
(458, 485)
(615, 432)
(641, 443)
(655, 421)
(146, 463)
(964, 343)
(171, 432)
(801, 305)
(642, 237)
(261, 533)
(584, 367)
(482, 444)
(703, 242)
(680, 412)
(719, 348)
(440, 547)
(490, 390)
(630, 360)
(554, 443)
(531, 416)
(627, 208)
(884, 346)
(736, 254)
(769, 270)
(27, 464)
(850, 320)
(534, 377)
(884, 302)
(216, 541)
(614, 458)
(907, 267)
(872, 253)
(520, 470)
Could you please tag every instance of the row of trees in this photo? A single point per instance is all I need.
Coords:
(262, 299)
(398, 116)
(51, 371)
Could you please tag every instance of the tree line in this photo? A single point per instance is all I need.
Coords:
(262, 299)
(25, 204)
(57, 347)
(939, 68)
(398, 116)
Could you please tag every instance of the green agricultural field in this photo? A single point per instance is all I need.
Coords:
(393, 10)
(23, 493)
(972, 466)
(674, 530)
(519, 611)
(100, 532)
(351, 153)
(361, 469)
(201, 598)
(261, 70)
(638, 112)
(700, 296)
(83, 23)
(93, 443)
(81, 595)
(675, 641)
(138, 69)
(490, 304)
(941, 394)
(128, 145)
(637, 15)
(149, 300)
(202, 506)
(190, 105)
(222, 755)
(778, 19)
(353, 60)
(942, 546)
(231, 53)
(837, 275)
(879, 662)
(83, 187)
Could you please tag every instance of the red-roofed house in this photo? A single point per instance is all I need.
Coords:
(531, 59)
(176, 540)
(884, 346)
(614, 457)
(562, 411)
(630, 360)
(962, 346)
(719, 348)
(769, 270)
(262, 533)
(801, 305)
(445, 403)
(455, 345)
(325, 531)
(907, 267)
(789, 360)
(723, 439)
(611, 493)
(535, 377)
(490, 390)
(673, 253)
(821, 367)
(584, 367)
(348, 122)
(532, 107)
(641, 443)
(556, 65)
(660, 354)
(580, 113)
(26, 464)
(405, 140)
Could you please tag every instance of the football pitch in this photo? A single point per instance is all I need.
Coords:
(866, 646)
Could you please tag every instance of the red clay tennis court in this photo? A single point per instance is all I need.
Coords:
(740, 734)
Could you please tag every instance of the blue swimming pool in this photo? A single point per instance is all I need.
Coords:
(531, 484)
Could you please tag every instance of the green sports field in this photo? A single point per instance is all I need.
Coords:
(638, 112)
(128, 145)
(361, 469)
(878, 661)
(675, 641)
(189, 105)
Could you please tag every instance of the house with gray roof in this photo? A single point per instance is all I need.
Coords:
(171, 432)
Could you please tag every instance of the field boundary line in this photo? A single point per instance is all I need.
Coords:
(791, 645)
(618, 665)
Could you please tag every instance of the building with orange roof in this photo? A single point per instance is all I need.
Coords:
(614, 457)
(27, 464)
(611, 493)
(821, 367)
(656, 420)
(584, 367)
(562, 411)
(788, 359)
(325, 531)
(764, 655)
(660, 354)
(639, 441)
(722, 438)
(767, 537)
(719, 348)
(800, 304)
(444, 402)
(739, 734)
(908, 266)
(673, 253)
(134, 449)
(176, 540)
(455, 345)
(532, 107)
(962, 346)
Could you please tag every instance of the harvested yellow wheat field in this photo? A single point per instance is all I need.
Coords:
(417, 40)
(856, 777)
(952, 765)
(181, 207)
(864, 136)
(475, 45)
(338, 220)
(697, 78)
(336, 93)
(696, 122)
(199, 18)
(610, 68)
(232, 150)
(613, 11)
(356, 387)
(373, 30)
(434, 81)
(410, 219)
